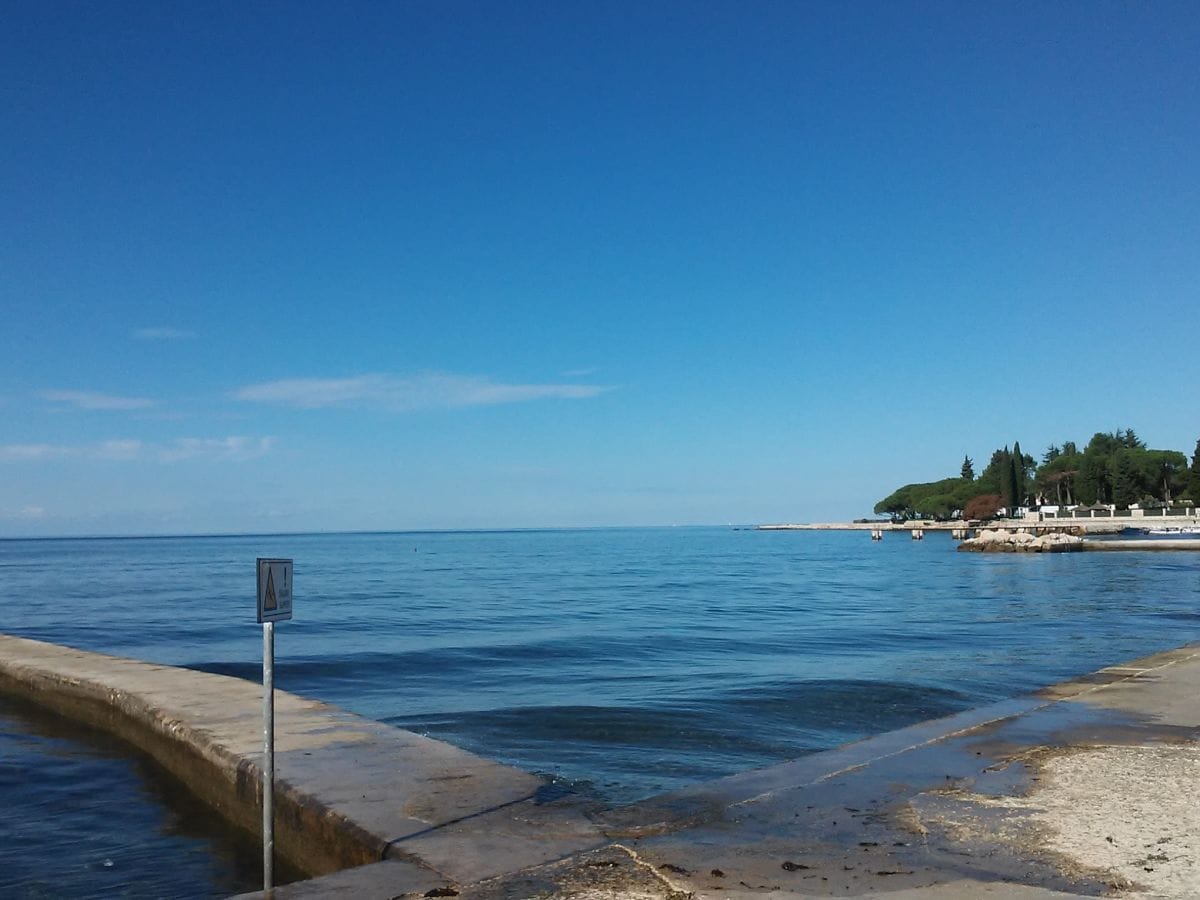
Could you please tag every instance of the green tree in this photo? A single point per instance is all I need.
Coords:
(896, 504)
(1100, 470)
(931, 499)
(1130, 440)
(1165, 473)
(1021, 464)
(1093, 483)
(1194, 476)
(938, 506)
(1104, 444)
(995, 478)
(1126, 478)
(1055, 480)
(1114, 468)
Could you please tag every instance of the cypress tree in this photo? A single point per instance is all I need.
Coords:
(1194, 476)
(1019, 470)
(968, 467)
(1004, 475)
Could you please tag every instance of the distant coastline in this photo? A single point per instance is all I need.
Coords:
(1101, 525)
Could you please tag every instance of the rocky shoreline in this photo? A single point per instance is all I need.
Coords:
(999, 541)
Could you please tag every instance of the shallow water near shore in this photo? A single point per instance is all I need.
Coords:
(623, 662)
(81, 815)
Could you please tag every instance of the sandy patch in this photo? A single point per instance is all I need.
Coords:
(1133, 811)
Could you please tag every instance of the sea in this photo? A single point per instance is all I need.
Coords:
(621, 663)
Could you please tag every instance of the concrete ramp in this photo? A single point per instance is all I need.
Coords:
(348, 790)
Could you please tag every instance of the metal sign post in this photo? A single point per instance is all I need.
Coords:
(274, 605)
(268, 768)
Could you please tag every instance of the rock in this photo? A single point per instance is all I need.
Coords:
(1001, 541)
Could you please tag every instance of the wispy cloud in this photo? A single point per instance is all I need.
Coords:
(235, 448)
(94, 400)
(118, 450)
(19, 452)
(121, 450)
(25, 513)
(162, 333)
(397, 393)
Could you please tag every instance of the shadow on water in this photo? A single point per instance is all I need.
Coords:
(657, 748)
(103, 819)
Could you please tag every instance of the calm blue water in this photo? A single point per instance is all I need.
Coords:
(624, 662)
(80, 816)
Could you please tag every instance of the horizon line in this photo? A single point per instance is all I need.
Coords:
(510, 529)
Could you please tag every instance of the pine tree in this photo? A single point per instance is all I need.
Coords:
(968, 468)
(1126, 488)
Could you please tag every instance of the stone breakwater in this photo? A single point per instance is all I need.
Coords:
(348, 791)
(997, 541)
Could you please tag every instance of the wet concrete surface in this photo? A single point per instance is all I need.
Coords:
(941, 809)
(1136, 545)
(916, 817)
(920, 812)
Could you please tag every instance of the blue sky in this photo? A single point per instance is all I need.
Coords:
(276, 266)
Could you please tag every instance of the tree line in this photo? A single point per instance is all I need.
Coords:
(1114, 468)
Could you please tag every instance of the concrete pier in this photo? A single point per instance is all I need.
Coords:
(348, 790)
(1082, 789)
(1147, 544)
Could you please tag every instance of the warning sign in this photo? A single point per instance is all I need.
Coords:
(274, 590)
